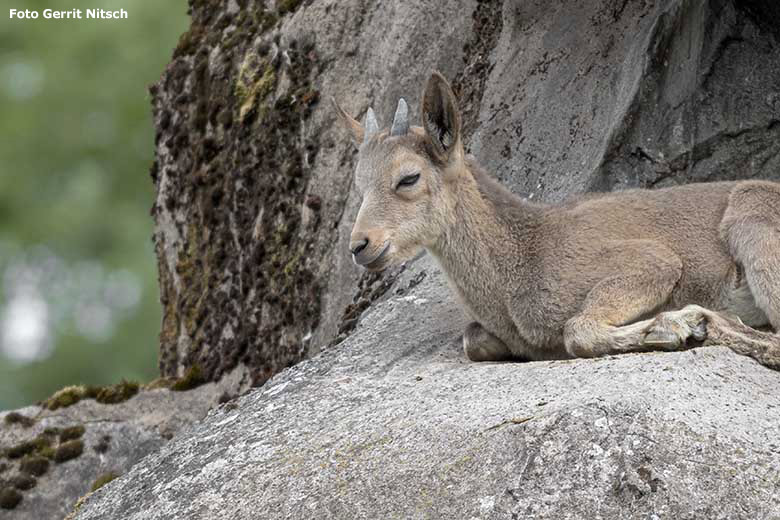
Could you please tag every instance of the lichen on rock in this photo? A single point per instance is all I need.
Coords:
(251, 89)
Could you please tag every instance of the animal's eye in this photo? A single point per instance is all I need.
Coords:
(408, 180)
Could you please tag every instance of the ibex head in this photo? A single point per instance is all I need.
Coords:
(406, 176)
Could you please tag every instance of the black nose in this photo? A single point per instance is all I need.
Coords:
(356, 246)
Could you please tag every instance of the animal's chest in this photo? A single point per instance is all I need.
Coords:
(510, 306)
(502, 311)
(484, 303)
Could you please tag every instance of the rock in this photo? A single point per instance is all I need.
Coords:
(394, 423)
(605, 95)
(53, 457)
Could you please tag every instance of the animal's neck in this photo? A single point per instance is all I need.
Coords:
(490, 225)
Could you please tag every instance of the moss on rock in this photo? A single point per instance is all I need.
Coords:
(160, 382)
(70, 395)
(38, 445)
(65, 397)
(288, 6)
(47, 452)
(266, 19)
(72, 432)
(9, 498)
(35, 465)
(22, 482)
(68, 451)
(103, 444)
(111, 394)
(240, 157)
(118, 393)
(103, 479)
(193, 378)
(15, 418)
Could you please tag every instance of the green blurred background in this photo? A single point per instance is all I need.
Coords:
(78, 278)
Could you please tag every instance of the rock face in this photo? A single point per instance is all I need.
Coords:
(252, 180)
(395, 424)
(254, 204)
(607, 95)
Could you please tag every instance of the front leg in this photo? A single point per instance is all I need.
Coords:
(481, 345)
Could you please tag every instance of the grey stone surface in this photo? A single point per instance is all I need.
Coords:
(115, 438)
(603, 95)
(394, 423)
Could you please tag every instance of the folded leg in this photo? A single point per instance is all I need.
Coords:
(481, 345)
(647, 272)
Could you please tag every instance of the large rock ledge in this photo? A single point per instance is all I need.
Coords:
(394, 423)
(50, 458)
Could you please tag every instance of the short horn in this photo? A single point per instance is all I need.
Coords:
(401, 119)
(371, 125)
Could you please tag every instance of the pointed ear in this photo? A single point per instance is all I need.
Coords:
(354, 127)
(441, 119)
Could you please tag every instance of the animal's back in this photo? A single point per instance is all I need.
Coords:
(679, 216)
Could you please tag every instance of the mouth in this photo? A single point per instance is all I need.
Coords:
(379, 262)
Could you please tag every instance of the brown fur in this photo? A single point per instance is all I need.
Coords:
(585, 278)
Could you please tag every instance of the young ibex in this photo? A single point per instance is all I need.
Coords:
(599, 275)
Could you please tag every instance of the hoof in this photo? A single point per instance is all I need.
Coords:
(480, 345)
(661, 339)
(673, 330)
